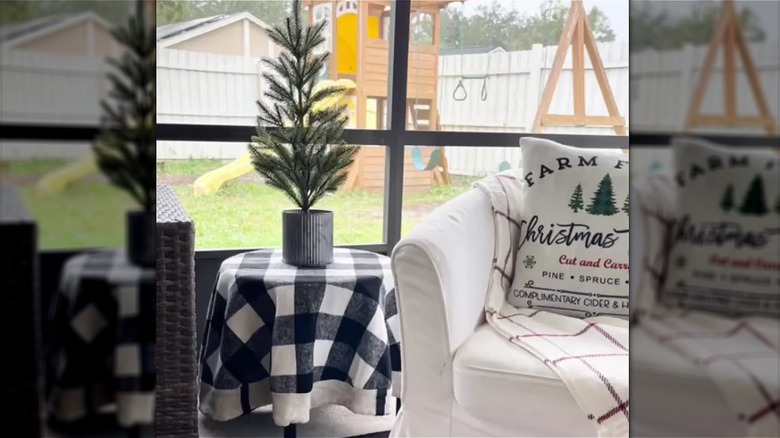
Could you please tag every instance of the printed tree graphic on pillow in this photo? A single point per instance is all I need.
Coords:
(754, 202)
(625, 205)
(727, 204)
(603, 201)
(576, 199)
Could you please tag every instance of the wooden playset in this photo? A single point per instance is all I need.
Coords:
(360, 52)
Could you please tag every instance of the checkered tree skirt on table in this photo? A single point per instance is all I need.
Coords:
(300, 338)
(101, 348)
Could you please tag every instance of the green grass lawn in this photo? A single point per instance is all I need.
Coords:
(84, 215)
(248, 214)
(243, 214)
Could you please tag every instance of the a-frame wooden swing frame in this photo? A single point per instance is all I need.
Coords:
(728, 34)
(578, 35)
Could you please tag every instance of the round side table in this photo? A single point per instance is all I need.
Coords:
(101, 348)
(299, 338)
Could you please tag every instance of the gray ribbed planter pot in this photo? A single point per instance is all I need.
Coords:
(307, 238)
(140, 238)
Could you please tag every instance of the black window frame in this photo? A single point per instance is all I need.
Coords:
(396, 138)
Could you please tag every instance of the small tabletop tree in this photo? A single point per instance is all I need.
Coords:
(125, 149)
(299, 148)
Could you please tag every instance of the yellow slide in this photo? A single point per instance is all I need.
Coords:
(56, 181)
(210, 182)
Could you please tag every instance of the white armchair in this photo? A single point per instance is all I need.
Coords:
(460, 378)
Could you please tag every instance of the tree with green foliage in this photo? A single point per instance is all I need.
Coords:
(496, 25)
(625, 205)
(173, 11)
(126, 147)
(650, 27)
(20, 11)
(603, 201)
(727, 203)
(575, 203)
(754, 203)
(299, 148)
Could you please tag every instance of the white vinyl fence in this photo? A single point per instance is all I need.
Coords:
(201, 88)
(204, 88)
(663, 84)
(514, 86)
(49, 89)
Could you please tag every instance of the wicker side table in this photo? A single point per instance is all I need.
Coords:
(22, 389)
(176, 362)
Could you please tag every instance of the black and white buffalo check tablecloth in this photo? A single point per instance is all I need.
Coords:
(101, 347)
(300, 338)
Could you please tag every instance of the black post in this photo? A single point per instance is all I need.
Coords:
(397, 406)
(290, 431)
(394, 158)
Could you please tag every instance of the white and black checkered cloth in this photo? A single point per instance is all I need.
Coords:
(101, 347)
(300, 338)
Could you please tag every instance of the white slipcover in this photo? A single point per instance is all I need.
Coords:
(460, 378)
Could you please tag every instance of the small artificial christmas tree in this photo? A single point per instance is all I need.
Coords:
(125, 149)
(625, 205)
(576, 199)
(603, 201)
(298, 150)
(727, 204)
(299, 147)
(754, 202)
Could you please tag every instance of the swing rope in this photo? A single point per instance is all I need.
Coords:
(483, 92)
(460, 81)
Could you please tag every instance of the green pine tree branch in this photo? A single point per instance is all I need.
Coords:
(299, 150)
(125, 149)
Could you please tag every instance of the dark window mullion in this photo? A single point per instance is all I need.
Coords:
(243, 134)
(397, 85)
(231, 133)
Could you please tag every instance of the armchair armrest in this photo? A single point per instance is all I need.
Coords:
(441, 272)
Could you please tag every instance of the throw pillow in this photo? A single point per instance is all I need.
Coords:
(573, 250)
(725, 254)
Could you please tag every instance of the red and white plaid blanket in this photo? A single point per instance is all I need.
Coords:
(653, 196)
(740, 356)
(589, 355)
